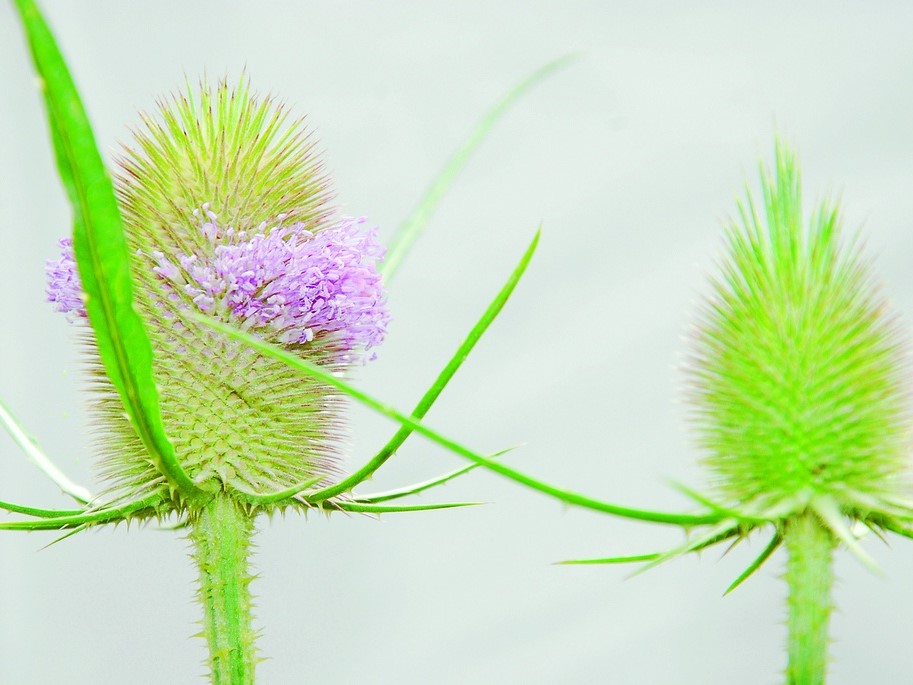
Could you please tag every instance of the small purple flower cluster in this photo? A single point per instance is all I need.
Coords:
(297, 283)
(64, 287)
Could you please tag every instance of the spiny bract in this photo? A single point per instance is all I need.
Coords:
(797, 373)
(226, 212)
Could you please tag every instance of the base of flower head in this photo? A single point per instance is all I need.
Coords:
(846, 517)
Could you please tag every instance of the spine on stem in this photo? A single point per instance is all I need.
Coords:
(810, 576)
(221, 534)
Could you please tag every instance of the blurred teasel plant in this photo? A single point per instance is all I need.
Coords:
(798, 387)
(213, 259)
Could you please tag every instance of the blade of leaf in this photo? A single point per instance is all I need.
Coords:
(772, 546)
(100, 246)
(713, 506)
(34, 453)
(392, 509)
(38, 513)
(724, 531)
(100, 516)
(829, 514)
(278, 496)
(896, 527)
(415, 223)
(611, 560)
(656, 558)
(424, 485)
(875, 530)
(411, 422)
(70, 533)
(428, 399)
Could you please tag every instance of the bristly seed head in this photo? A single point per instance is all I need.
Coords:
(798, 372)
(226, 211)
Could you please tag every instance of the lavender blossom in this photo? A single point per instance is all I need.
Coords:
(64, 288)
(297, 284)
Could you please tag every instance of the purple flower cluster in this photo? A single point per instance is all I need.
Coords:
(297, 283)
(64, 287)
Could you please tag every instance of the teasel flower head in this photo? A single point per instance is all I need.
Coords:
(225, 301)
(797, 385)
(798, 373)
(226, 213)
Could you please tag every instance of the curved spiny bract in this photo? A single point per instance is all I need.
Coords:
(797, 370)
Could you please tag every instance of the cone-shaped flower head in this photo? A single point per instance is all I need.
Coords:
(225, 208)
(797, 374)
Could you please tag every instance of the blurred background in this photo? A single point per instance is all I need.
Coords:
(630, 158)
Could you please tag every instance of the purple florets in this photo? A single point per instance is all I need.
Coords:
(64, 288)
(297, 283)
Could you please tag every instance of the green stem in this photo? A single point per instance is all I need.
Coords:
(810, 576)
(221, 534)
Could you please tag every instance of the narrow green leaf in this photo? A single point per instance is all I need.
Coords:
(421, 487)
(875, 530)
(412, 423)
(724, 512)
(896, 527)
(902, 505)
(829, 513)
(38, 513)
(274, 497)
(101, 250)
(34, 453)
(428, 399)
(393, 509)
(415, 223)
(104, 515)
(724, 531)
(714, 536)
(413, 489)
(775, 542)
(612, 560)
(70, 533)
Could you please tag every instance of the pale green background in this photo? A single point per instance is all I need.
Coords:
(629, 159)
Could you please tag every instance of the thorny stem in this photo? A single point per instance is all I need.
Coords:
(809, 574)
(221, 534)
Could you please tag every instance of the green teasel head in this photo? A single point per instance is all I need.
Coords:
(798, 370)
(227, 214)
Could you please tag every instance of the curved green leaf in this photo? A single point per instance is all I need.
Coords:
(279, 495)
(415, 223)
(34, 453)
(428, 399)
(832, 518)
(416, 488)
(101, 250)
(393, 509)
(612, 560)
(412, 422)
(772, 546)
(36, 512)
(104, 515)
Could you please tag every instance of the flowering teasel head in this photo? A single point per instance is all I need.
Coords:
(226, 215)
(225, 303)
(240, 271)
